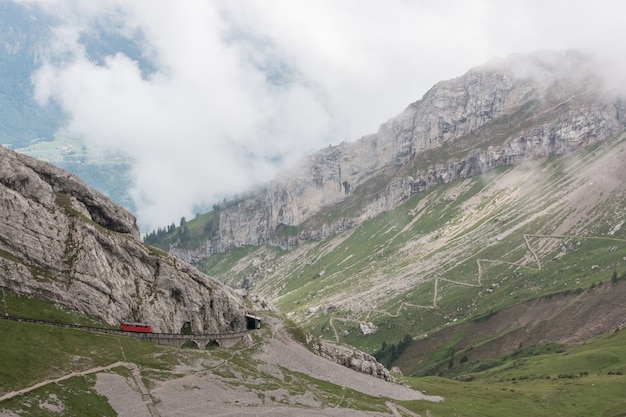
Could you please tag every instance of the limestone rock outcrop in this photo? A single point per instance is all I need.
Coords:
(533, 106)
(350, 358)
(64, 242)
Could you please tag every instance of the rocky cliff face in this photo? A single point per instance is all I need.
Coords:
(350, 358)
(62, 241)
(523, 107)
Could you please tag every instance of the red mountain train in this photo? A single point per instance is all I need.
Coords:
(135, 327)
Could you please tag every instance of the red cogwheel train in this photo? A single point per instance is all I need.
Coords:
(135, 327)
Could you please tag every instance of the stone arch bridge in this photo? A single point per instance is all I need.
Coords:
(201, 340)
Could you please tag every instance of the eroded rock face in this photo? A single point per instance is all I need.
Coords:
(351, 358)
(523, 107)
(62, 241)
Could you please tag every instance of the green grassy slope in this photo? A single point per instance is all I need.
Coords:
(452, 253)
(583, 380)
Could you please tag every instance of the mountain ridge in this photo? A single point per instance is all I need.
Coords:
(447, 135)
(454, 253)
(498, 212)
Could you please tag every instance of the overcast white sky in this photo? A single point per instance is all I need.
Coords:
(241, 87)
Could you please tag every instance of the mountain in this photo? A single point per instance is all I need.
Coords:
(64, 242)
(497, 188)
(541, 105)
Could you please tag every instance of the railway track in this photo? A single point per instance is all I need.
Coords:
(173, 339)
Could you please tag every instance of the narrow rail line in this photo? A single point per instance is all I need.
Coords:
(157, 337)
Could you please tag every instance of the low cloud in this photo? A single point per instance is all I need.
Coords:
(234, 90)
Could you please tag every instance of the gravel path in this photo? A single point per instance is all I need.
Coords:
(63, 378)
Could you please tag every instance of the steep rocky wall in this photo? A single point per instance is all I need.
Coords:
(61, 241)
(525, 107)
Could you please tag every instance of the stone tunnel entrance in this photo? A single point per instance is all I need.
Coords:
(253, 322)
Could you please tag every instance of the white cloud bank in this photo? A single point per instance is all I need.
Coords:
(241, 87)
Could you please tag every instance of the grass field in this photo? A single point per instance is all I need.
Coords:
(583, 380)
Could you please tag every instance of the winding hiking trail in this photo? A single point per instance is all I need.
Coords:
(479, 278)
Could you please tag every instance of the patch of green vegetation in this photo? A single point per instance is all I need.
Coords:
(64, 201)
(38, 273)
(296, 332)
(370, 243)
(390, 352)
(9, 256)
(72, 397)
(285, 231)
(55, 150)
(221, 264)
(465, 369)
(547, 380)
(335, 395)
(190, 344)
(189, 234)
(443, 358)
(34, 308)
(38, 352)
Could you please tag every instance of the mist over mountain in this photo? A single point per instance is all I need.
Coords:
(191, 90)
(525, 107)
